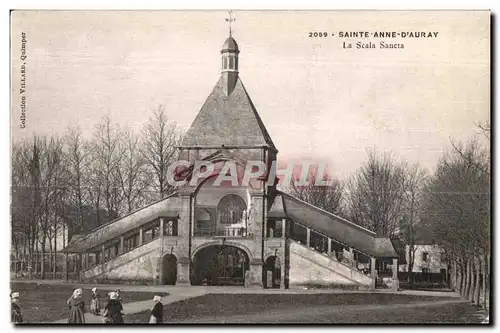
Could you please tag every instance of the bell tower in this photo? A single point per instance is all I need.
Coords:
(229, 52)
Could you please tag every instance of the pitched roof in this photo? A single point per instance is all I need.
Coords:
(336, 227)
(166, 207)
(227, 120)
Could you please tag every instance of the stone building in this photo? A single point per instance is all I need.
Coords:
(206, 234)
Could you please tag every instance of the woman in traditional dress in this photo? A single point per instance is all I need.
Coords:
(16, 316)
(95, 307)
(119, 298)
(156, 311)
(76, 308)
(113, 311)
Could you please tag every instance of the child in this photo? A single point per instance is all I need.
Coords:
(95, 307)
(16, 316)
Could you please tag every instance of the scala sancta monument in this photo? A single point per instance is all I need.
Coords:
(212, 234)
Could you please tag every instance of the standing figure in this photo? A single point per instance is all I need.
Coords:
(156, 311)
(95, 307)
(76, 308)
(113, 311)
(119, 298)
(16, 316)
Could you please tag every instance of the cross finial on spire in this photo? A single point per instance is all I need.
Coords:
(231, 19)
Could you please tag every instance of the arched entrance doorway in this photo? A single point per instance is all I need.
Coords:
(169, 269)
(272, 272)
(218, 265)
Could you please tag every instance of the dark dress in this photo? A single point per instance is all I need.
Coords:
(157, 312)
(16, 316)
(76, 310)
(113, 312)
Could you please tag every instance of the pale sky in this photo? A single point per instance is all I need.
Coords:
(317, 100)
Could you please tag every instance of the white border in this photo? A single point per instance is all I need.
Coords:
(151, 5)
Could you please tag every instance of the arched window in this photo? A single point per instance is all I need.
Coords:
(230, 210)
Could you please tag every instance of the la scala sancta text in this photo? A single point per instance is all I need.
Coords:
(370, 45)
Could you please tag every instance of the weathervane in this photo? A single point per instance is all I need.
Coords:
(231, 19)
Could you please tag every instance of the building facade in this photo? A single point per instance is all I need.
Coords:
(220, 233)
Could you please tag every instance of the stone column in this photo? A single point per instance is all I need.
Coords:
(329, 246)
(395, 280)
(283, 228)
(140, 236)
(283, 270)
(162, 226)
(103, 250)
(122, 241)
(351, 257)
(308, 239)
(183, 265)
(159, 271)
(256, 273)
(373, 272)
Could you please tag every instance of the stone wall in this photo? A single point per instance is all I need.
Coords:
(310, 267)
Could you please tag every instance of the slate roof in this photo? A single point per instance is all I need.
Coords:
(166, 207)
(334, 226)
(227, 120)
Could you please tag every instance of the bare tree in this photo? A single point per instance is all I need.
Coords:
(457, 206)
(414, 178)
(375, 194)
(160, 139)
(77, 160)
(106, 156)
(328, 198)
(132, 173)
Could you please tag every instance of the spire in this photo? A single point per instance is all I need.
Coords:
(230, 53)
(230, 20)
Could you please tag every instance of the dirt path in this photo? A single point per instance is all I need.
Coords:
(136, 307)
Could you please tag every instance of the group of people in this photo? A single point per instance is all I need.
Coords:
(112, 314)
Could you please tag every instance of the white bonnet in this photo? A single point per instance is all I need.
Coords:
(14, 295)
(157, 298)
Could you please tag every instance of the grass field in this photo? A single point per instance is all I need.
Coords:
(47, 303)
(307, 308)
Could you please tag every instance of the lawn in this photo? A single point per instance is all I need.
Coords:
(47, 303)
(301, 308)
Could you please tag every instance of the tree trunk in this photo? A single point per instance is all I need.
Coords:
(50, 262)
(466, 276)
(463, 276)
(37, 258)
(455, 273)
(485, 281)
(54, 268)
(42, 260)
(472, 280)
(477, 292)
(469, 279)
